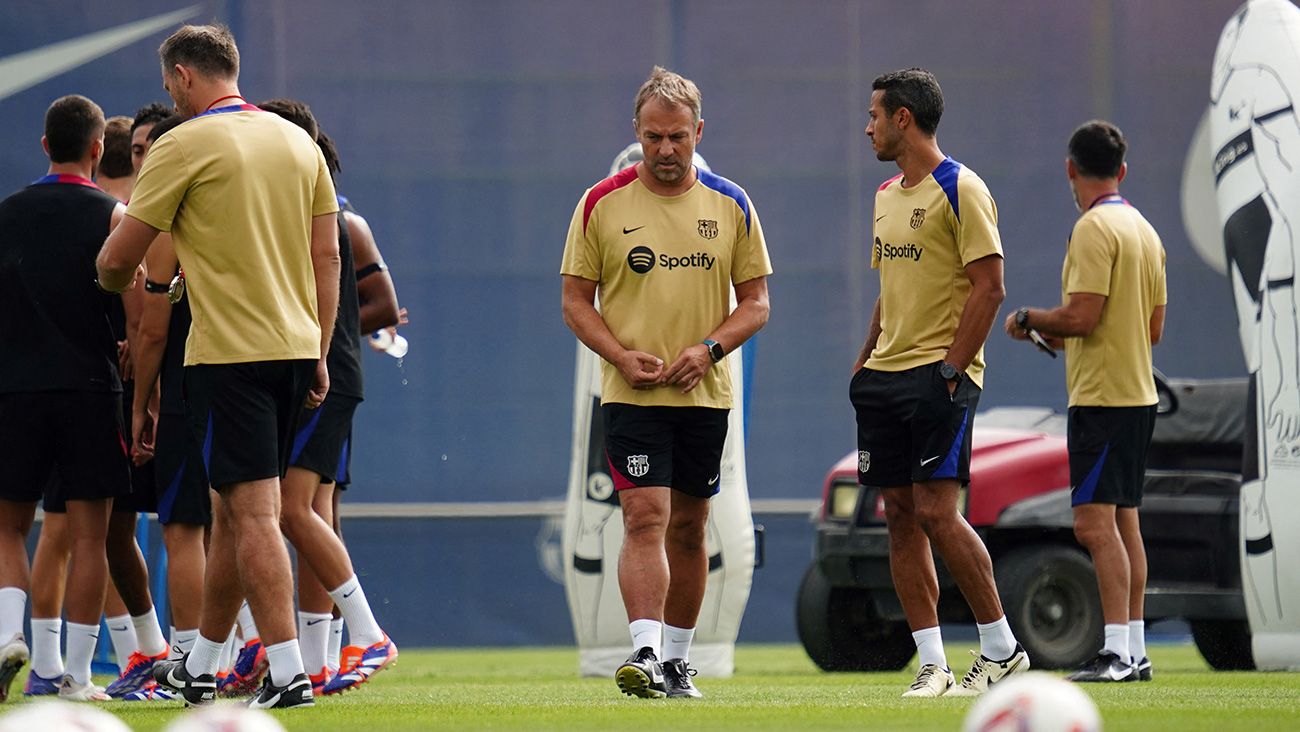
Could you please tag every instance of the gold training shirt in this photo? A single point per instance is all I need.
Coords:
(1114, 251)
(665, 266)
(237, 190)
(924, 238)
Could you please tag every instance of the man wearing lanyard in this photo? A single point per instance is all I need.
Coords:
(251, 209)
(60, 390)
(1113, 311)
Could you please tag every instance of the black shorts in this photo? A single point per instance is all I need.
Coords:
(1108, 454)
(910, 430)
(323, 442)
(181, 482)
(678, 447)
(244, 416)
(70, 444)
(144, 497)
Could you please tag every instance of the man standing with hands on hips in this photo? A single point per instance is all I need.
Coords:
(1113, 312)
(918, 377)
(664, 242)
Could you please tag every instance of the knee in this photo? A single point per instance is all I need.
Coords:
(687, 534)
(898, 514)
(933, 518)
(1092, 534)
(644, 522)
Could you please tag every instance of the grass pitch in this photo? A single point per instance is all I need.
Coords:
(775, 688)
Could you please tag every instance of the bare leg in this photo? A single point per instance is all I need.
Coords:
(185, 566)
(126, 564)
(910, 562)
(313, 595)
(1130, 532)
(88, 566)
(688, 560)
(1096, 530)
(317, 544)
(965, 556)
(50, 566)
(643, 562)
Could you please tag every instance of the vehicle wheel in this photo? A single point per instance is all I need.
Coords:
(839, 628)
(1050, 597)
(1225, 644)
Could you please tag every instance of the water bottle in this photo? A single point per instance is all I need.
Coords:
(393, 345)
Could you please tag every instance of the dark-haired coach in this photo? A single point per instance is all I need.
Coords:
(1113, 289)
(251, 209)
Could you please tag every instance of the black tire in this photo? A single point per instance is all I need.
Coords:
(840, 631)
(1225, 644)
(1050, 597)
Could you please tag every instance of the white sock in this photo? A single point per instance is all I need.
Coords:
(362, 629)
(205, 656)
(646, 632)
(148, 634)
(929, 646)
(1137, 640)
(122, 633)
(81, 646)
(285, 660)
(47, 655)
(335, 646)
(314, 639)
(1117, 640)
(247, 626)
(226, 660)
(182, 642)
(677, 642)
(996, 641)
(13, 605)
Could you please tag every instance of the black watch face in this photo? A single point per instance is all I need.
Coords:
(715, 352)
(948, 371)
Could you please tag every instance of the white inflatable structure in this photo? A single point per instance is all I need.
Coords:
(1254, 163)
(593, 529)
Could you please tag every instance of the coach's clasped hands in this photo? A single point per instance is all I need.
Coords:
(645, 371)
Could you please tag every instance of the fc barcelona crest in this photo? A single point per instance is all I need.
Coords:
(708, 228)
(638, 465)
(918, 217)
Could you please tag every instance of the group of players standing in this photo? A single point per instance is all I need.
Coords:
(662, 332)
(202, 363)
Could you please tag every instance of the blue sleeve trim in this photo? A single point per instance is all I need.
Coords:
(946, 176)
(726, 188)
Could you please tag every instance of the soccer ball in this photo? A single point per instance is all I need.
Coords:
(1033, 702)
(225, 718)
(59, 715)
(631, 155)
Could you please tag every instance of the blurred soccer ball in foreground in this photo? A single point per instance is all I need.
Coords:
(53, 716)
(225, 718)
(1033, 702)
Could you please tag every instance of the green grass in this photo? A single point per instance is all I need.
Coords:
(775, 688)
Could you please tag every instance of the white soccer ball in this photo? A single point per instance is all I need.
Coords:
(225, 718)
(1033, 702)
(632, 154)
(48, 716)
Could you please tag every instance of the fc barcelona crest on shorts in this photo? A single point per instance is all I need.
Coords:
(708, 228)
(638, 465)
(864, 461)
(918, 217)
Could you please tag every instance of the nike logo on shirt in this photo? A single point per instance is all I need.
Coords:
(629, 231)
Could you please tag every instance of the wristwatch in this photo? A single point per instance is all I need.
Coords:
(1022, 318)
(949, 372)
(715, 350)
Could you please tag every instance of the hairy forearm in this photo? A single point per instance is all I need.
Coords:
(748, 318)
(1061, 322)
(586, 323)
(975, 323)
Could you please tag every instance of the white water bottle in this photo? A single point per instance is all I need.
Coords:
(393, 345)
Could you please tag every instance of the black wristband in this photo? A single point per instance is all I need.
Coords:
(370, 269)
(157, 288)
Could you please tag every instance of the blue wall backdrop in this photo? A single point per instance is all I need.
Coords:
(469, 129)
